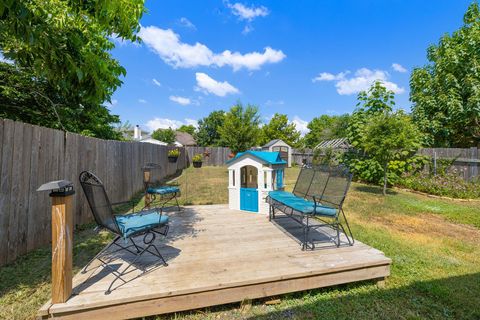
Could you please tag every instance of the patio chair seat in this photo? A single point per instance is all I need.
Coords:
(163, 190)
(302, 205)
(130, 224)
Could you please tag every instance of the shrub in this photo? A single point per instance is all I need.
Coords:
(447, 184)
(197, 158)
(174, 153)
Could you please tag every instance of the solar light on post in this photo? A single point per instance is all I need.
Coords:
(147, 175)
(61, 192)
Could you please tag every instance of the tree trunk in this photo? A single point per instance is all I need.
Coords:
(385, 179)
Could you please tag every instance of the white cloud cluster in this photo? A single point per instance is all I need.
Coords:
(172, 51)
(399, 68)
(187, 23)
(165, 123)
(361, 80)
(156, 82)
(142, 100)
(301, 125)
(207, 85)
(248, 13)
(180, 100)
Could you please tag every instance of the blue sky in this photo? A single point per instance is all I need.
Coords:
(301, 58)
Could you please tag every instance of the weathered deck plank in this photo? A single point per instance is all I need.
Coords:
(218, 256)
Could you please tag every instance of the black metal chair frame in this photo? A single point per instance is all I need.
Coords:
(149, 235)
(163, 199)
(307, 219)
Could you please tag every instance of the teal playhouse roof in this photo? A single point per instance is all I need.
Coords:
(266, 156)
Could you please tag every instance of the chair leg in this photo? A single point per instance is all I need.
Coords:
(98, 255)
(350, 239)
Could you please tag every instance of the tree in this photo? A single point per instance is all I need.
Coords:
(240, 129)
(326, 127)
(383, 158)
(208, 129)
(390, 136)
(279, 128)
(165, 135)
(68, 43)
(446, 92)
(187, 128)
(23, 97)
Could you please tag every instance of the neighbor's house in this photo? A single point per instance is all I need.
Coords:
(278, 145)
(182, 139)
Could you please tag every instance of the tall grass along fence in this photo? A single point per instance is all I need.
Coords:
(32, 155)
(465, 161)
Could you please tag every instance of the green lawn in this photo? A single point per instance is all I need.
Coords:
(434, 244)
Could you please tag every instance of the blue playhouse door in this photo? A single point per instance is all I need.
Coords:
(249, 199)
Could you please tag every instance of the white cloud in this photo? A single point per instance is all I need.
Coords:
(301, 125)
(274, 102)
(192, 122)
(248, 28)
(209, 85)
(361, 80)
(172, 51)
(180, 100)
(326, 76)
(399, 68)
(142, 100)
(165, 123)
(248, 13)
(156, 82)
(187, 23)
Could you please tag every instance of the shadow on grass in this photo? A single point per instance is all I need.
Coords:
(449, 298)
(456, 297)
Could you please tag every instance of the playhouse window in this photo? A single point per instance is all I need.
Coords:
(233, 178)
(249, 177)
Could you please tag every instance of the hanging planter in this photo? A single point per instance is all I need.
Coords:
(173, 155)
(197, 160)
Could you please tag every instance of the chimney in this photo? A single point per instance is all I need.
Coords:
(137, 133)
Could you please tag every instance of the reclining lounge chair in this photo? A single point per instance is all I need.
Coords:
(127, 228)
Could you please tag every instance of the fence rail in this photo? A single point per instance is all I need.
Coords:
(31, 155)
(465, 161)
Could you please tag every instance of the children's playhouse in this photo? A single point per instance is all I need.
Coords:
(251, 175)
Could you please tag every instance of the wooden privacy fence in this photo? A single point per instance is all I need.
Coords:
(465, 161)
(32, 155)
(212, 156)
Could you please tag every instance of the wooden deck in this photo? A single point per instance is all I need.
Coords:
(217, 256)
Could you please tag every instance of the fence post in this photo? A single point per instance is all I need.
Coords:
(473, 165)
(62, 238)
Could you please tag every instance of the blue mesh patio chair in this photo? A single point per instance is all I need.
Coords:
(127, 228)
(159, 195)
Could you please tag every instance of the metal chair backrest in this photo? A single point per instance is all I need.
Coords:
(337, 186)
(98, 201)
(318, 184)
(304, 180)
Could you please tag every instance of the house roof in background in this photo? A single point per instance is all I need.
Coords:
(185, 138)
(272, 142)
(266, 156)
(341, 143)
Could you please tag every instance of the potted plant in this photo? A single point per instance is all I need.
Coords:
(231, 155)
(173, 155)
(197, 160)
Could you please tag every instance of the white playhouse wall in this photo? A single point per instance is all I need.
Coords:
(234, 189)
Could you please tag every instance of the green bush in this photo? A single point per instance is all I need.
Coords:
(448, 184)
(371, 171)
